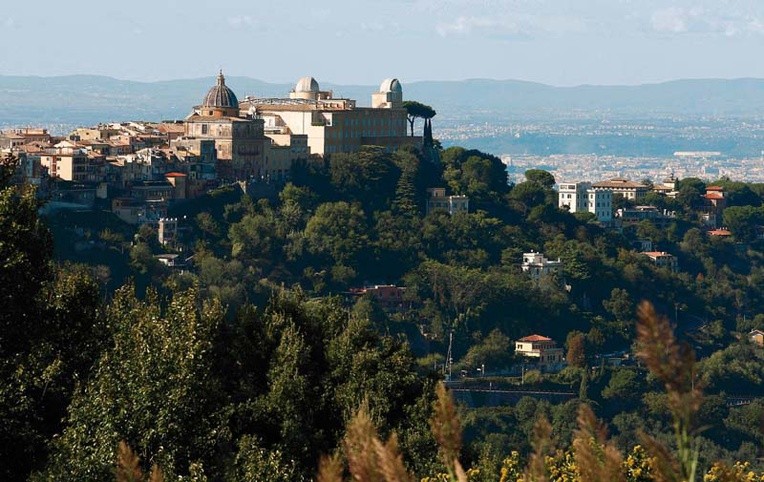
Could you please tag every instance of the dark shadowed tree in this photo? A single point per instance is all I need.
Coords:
(416, 110)
(540, 176)
(49, 330)
(368, 177)
(743, 220)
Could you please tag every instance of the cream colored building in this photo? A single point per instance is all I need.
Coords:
(663, 260)
(580, 197)
(539, 347)
(102, 132)
(69, 162)
(282, 151)
(331, 124)
(239, 141)
(624, 188)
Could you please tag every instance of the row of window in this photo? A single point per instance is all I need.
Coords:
(376, 121)
(352, 134)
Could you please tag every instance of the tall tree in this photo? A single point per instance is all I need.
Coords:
(743, 220)
(576, 356)
(416, 110)
(299, 368)
(46, 319)
(406, 200)
(153, 387)
(25, 264)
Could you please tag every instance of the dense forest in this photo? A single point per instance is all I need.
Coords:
(252, 361)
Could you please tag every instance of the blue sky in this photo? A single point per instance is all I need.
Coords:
(558, 42)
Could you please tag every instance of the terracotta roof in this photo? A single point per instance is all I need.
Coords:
(619, 183)
(720, 232)
(174, 174)
(714, 188)
(171, 127)
(656, 254)
(535, 338)
(714, 195)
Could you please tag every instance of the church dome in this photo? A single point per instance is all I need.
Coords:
(220, 95)
(306, 84)
(391, 85)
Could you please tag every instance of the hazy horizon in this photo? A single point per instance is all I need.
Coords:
(343, 83)
(592, 42)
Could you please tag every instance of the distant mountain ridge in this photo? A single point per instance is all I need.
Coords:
(89, 99)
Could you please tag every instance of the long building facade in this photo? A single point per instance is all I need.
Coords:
(334, 125)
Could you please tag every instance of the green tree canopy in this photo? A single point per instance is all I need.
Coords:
(416, 110)
(742, 221)
(338, 230)
(540, 176)
(368, 176)
(481, 176)
(153, 387)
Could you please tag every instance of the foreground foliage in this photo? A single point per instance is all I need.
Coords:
(248, 365)
(592, 457)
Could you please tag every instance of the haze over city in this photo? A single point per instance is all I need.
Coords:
(343, 41)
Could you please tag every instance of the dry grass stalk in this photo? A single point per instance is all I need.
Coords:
(369, 459)
(597, 459)
(461, 475)
(542, 447)
(359, 446)
(447, 430)
(128, 464)
(156, 474)
(673, 363)
(391, 460)
(330, 469)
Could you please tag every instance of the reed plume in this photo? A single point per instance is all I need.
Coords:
(673, 363)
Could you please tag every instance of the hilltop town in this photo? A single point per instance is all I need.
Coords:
(137, 168)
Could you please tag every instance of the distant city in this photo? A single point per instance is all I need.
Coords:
(591, 167)
(593, 148)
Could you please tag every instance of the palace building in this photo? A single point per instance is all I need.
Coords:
(332, 124)
(259, 138)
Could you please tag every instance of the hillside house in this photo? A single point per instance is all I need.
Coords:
(541, 349)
